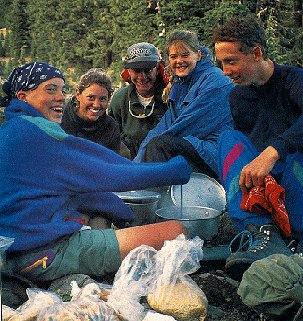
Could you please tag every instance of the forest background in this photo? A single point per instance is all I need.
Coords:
(76, 35)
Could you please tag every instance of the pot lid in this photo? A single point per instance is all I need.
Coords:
(187, 213)
(201, 190)
(140, 195)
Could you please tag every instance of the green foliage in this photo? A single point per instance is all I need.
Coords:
(4, 9)
(217, 16)
(179, 14)
(76, 35)
(19, 28)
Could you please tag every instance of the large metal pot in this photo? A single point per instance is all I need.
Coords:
(197, 204)
(201, 190)
(144, 205)
(200, 221)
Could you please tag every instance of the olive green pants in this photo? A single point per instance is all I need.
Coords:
(90, 252)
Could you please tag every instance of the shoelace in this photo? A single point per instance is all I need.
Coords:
(247, 242)
(299, 312)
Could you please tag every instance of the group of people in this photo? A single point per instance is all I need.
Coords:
(240, 123)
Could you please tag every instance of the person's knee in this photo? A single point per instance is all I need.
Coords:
(152, 235)
(231, 134)
(176, 228)
(159, 142)
(157, 150)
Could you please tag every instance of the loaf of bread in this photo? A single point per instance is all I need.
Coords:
(183, 301)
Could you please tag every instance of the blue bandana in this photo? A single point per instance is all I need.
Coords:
(28, 77)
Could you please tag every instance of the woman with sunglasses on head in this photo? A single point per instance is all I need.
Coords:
(138, 107)
(85, 115)
(199, 108)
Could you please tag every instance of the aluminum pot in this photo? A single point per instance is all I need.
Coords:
(201, 190)
(144, 205)
(201, 221)
(144, 213)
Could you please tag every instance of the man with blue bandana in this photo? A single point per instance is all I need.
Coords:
(51, 181)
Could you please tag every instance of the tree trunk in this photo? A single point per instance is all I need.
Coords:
(298, 18)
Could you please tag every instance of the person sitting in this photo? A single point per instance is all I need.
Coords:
(267, 110)
(50, 180)
(199, 108)
(86, 112)
(139, 106)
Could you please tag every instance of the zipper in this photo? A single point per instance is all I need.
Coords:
(36, 264)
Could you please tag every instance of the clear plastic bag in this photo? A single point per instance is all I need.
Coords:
(5, 243)
(87, 303)
(83, 309)
(59, 311)
(174, 292)
(98, 291)
(7, 313)
(133, 281)
(158, 274)
(37, 300)
(154, 316)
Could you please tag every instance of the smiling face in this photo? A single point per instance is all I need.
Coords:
(242, 68)
(182, 59)
(144, 80)
(48, 98)
(93, 102)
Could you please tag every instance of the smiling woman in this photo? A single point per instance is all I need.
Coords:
(199, 107)
(85, 115)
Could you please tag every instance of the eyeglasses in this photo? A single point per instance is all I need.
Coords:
(142, 115)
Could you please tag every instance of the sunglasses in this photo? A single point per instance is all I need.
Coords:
(143, 70)
(141, 115)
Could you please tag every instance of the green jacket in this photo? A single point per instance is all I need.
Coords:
(133, 130)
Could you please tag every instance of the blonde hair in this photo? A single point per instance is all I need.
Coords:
(183, 37)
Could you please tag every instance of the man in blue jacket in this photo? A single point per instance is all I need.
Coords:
(267, 106)
(51, 182)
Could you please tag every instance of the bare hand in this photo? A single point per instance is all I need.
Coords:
(253, 174)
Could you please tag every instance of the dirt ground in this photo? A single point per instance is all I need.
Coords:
(224, 302)
(221, 291)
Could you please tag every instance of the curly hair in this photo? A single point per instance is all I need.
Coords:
(189, 38)
(245, 30)
(95, 76)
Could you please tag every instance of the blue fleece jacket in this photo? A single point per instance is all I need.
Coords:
(49, 177)
(199, 110)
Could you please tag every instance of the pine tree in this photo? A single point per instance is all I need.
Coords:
(19, 28)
